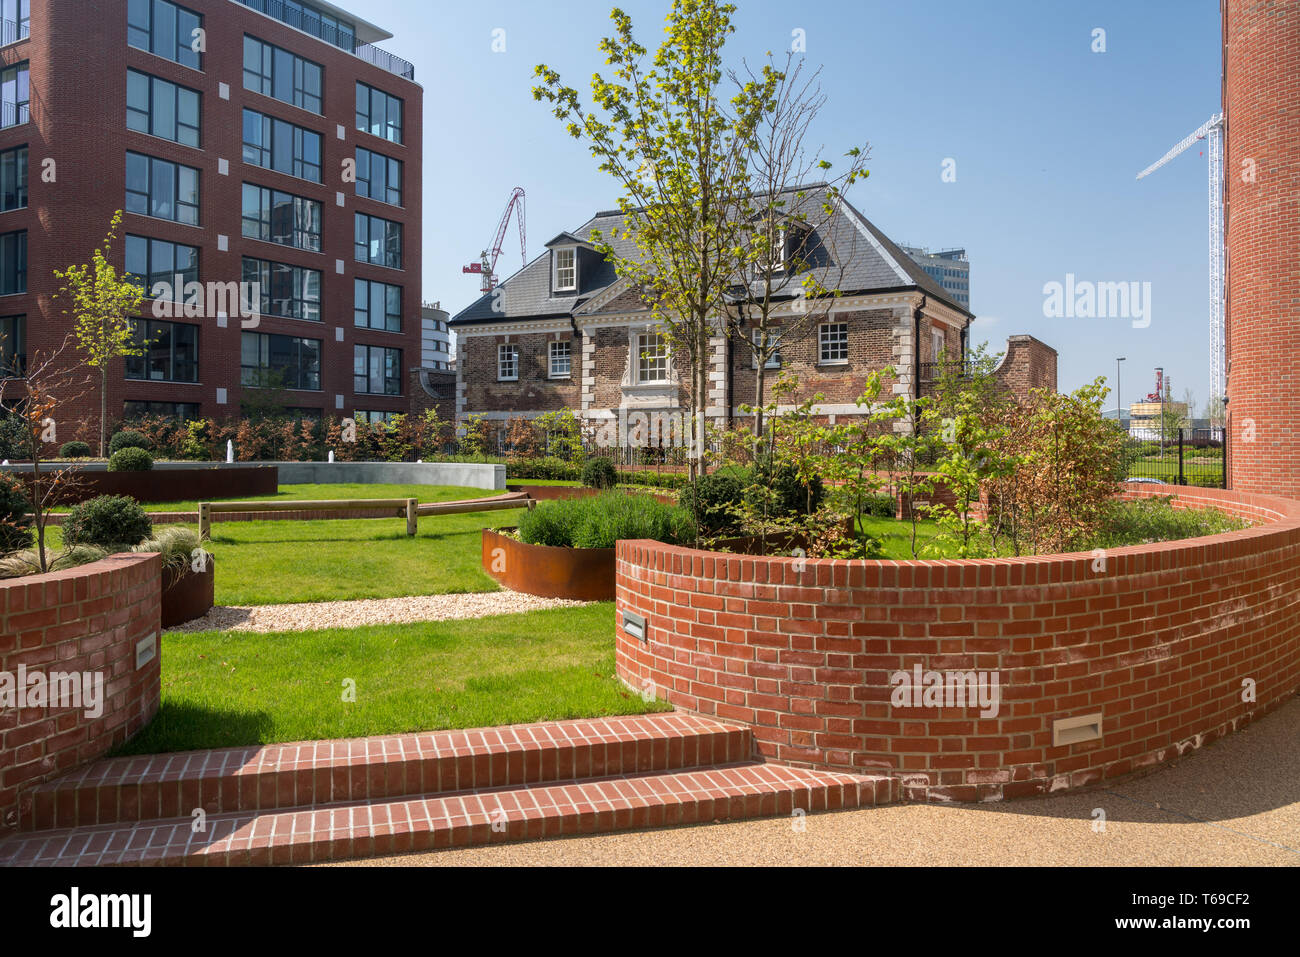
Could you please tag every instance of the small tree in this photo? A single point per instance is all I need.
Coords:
(50, 381)
(102, 305)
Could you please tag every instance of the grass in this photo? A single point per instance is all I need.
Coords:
(238, 688)
(273, 562)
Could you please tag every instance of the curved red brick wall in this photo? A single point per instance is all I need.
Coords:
(1159, 642)
(1261, 94)
(88, 619)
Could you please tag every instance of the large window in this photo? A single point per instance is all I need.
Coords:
(379, 177)
(833, 343)
(13, 263)
(13, 345)
(561, 359)
(283, 75)
(284, 362)
(377, 305)
(13, 179)
(652, 358)
(378, 241)
(15, 20)
(376, 370)
(161, 108)
(154, 261)
(277, 217)
(15, 95)
(133, 409)
(282, 146)
(160, 188)
(379, 113)
(508, 363)
(170, 352)
(165, 29)
(290, 292)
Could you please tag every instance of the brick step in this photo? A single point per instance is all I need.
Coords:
(428, 822)
(307, 774)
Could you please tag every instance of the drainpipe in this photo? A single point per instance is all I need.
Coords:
(916, 355)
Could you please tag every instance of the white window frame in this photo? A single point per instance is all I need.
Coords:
(775, 361)
(824, 339)
(572, 285)
(938, 340)
(660, 359)
(776, 255)
(552, 357)
(502, 351)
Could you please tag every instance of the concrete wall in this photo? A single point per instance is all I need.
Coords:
(468, 474)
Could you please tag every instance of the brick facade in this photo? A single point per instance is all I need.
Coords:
(86, 619)
(1262, 172)
(78, 62)
(1026, 365)
(1173, 644)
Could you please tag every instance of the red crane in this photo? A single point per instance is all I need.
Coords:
(487, 264)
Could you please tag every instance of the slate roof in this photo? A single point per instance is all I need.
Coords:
(873, 263)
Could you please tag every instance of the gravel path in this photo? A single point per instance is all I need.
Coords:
(372, 611)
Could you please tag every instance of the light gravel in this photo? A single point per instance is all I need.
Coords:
(308, 616)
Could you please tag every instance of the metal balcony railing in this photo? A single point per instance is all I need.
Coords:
(14, 114)
(308, 22)
(12, 31)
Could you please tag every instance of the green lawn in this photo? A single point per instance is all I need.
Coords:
(238, 688)
(273, 562)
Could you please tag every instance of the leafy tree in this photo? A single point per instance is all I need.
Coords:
(680, 151)
(102, 305)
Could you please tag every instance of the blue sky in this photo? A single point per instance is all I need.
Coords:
(1047, 136)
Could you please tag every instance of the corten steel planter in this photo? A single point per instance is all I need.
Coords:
(547, 493)
(168, 485)
(582, 574)
(187, 594)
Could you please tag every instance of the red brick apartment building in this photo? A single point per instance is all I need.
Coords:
(566, 332)
(247, 140)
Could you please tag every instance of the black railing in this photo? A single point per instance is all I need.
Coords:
(932, 372)
(14, 114)
(1181, 457)
(308, 22)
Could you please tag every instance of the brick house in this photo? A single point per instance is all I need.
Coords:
(566, 332)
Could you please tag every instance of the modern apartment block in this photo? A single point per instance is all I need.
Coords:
(247, 141)
(948, 267)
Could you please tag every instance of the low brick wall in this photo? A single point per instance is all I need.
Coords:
(1172, 644)
(88, 619)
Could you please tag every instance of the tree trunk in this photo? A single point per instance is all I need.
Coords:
(103, 407)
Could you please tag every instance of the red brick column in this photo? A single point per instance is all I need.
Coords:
(1262, 101)
(1172, 644)
(87, 619)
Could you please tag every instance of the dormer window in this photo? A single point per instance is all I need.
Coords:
(774, 261)
(566, 269)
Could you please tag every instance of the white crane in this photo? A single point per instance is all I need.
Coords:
(1212, 131)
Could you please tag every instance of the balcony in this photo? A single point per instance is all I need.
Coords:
(334, 34)
(12, 32)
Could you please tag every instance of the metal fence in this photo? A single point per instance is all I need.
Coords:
(1189, 457)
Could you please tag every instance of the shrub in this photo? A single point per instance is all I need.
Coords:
(13, 438)
(715, 501)
(113, 522)
(20, 564)
(176, 544)
(602, 520)
(130, 460)
(548, 469)
(793, 497)
(15, 506)
(599, 473)
(129, 439)
(74, 450)
(1142, 521)
(882, 505)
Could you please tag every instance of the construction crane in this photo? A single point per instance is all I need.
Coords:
(1212, 132)
(487, 263)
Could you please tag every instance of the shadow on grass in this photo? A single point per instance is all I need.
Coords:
(184, 727)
